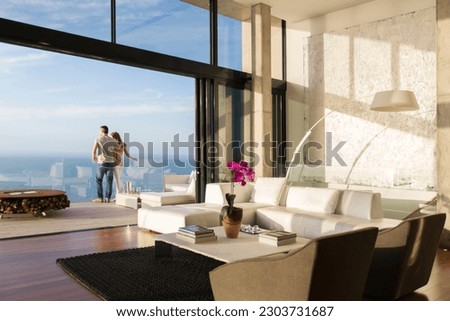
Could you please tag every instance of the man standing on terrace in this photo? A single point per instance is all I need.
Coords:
(103, 153)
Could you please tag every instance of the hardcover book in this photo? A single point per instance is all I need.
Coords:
(195, 229)
(188, 234)
(278, 235)
(277, 243)
(197, 239)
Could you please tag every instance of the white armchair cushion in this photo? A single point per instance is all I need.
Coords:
(177, 187)
(268, 190)
(362, 204)
(311, 199)
(176, 183)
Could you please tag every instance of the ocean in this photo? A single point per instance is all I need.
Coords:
(76, 175)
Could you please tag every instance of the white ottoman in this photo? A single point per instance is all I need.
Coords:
(152, 199)
(168, 219)
(128, 200)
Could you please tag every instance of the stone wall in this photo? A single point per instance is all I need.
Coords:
(443, 112)
(344, 70)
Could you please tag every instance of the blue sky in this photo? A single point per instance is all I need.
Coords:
(53, 103)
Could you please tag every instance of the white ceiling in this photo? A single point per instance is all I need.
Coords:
(289, 10)
(319, 16)
(299, 10)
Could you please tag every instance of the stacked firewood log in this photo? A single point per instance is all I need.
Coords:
(33, 205)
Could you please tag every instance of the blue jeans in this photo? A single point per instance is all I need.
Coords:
(102, 169)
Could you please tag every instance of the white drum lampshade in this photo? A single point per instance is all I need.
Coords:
(394, 101)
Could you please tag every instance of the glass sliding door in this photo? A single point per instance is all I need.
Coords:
(233, 127)
(279, 134)
(177, 38)
(223, 130)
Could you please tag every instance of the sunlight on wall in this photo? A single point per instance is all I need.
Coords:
(337, 65)
(346, 68)
(372, 67)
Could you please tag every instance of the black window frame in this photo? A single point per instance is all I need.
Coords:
(207, 76)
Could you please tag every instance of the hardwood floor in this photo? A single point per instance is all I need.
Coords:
(29, 272)
(28, 268)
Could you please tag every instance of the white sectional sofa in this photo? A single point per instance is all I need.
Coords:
(310, 212)
(167, 219)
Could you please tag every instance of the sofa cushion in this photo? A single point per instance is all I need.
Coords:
(243, 193)
(177, 187)
(362, 204)
(150, 199)
(268, 190)
(311, 224)
(311, 199)
(215, 193)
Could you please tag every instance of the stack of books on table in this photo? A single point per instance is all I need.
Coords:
(277, 238)
(196, 234)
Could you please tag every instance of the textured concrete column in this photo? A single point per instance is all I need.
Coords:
(443, 112)
(262, 87)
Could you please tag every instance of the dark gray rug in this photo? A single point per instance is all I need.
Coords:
(136, 275)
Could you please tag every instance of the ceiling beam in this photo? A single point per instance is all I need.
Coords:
(27, 35)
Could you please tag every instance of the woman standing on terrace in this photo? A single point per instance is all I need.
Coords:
(121, 150)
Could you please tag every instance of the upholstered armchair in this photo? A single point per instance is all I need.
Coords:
(179, 183)
(403, 257)
(332, 267)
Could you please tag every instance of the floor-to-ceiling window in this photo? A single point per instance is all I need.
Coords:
(153, 110)
(90, 18)
(170, 27)
(52, 105)
(230, 33)
(233, 127)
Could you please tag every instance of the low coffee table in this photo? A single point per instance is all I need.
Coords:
(14, 203)
(224, 249)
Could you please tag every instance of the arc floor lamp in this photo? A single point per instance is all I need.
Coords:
(383, 101)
